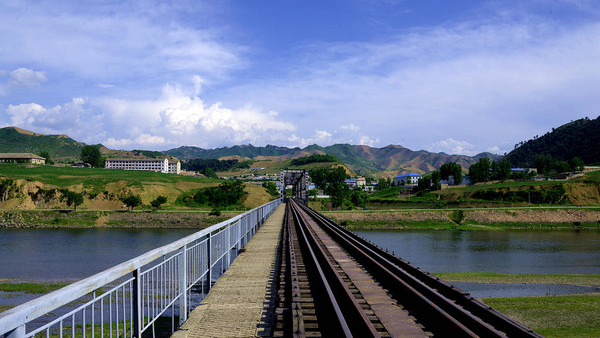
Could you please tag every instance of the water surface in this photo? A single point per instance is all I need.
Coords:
(519, 251)
(73, 254)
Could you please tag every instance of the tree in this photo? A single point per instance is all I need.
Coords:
(46, 155)
(132, 201)
(271, 188)
(480, 171)
(208, 172)
(73, 198)
(359, 197)
(331, 180)
(157, 202)
(435, 179)
(92, 156)
(576, 164)
(451, 169)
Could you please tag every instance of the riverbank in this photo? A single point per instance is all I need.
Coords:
(470, 219)
(554, 316)
(110, 218)
(542, 278)
(576, 315)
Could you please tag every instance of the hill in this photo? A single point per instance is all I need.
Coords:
(17, 140)
(387, 161)
(61, 148)
(579, 138)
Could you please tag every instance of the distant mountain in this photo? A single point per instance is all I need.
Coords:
(579, 138)
(17, 140)
(250, 151)
(390, 160)
(387, 161)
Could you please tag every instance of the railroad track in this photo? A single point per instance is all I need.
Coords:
(333, 282)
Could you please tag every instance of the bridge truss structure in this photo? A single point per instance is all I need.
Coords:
(298, 179)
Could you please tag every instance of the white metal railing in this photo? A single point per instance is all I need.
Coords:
(129, 298)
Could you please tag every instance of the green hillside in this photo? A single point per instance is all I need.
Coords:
(579, 138)
(60, 147)
(389, 161)
(187, 152)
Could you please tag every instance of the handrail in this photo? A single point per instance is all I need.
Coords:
(12, 321)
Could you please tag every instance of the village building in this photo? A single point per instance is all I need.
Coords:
(410, 179)
(21, 158)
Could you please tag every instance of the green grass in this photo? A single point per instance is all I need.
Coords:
(5, 307)
(93, 179)
(554, 316)
(494, 277)
(30, 287)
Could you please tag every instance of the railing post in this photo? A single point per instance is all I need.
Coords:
(228, 245)
(136, 298)
(209, 258)
(183, 285)
(19, 332)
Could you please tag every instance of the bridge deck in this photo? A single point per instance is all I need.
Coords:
(241, 302)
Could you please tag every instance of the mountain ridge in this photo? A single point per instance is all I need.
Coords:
(578, 138)
(387, 161)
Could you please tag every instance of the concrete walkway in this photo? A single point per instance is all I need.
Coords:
(240, 304)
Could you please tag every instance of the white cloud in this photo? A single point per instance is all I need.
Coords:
(25, 77)
(452, 147)
(141, 41)
(368, 141)
(350, 127)
(111, 142)
(151, 140)
(178, 118)
(75, 118)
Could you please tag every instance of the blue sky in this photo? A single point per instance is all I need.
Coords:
(454, 76)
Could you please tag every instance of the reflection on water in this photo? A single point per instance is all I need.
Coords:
(519, 251)
(494, 290)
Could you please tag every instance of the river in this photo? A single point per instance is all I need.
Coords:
(73, 254)
(517, 251)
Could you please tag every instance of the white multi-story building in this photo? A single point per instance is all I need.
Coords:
(174, 167)
(160, 165)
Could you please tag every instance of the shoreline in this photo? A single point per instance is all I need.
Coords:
(497, 219)
(54, 218)
(575, 218)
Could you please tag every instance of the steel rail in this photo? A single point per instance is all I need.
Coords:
(353, 314)
(485, 319)
(293, 298)
(323, 279)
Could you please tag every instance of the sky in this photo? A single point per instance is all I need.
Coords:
(460, 77)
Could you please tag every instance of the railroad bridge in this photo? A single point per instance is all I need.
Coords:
(298, 180)
(278, 270)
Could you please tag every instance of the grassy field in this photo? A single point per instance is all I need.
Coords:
(92, 179)
(575, 315)
(103, 187)
(554, 316)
